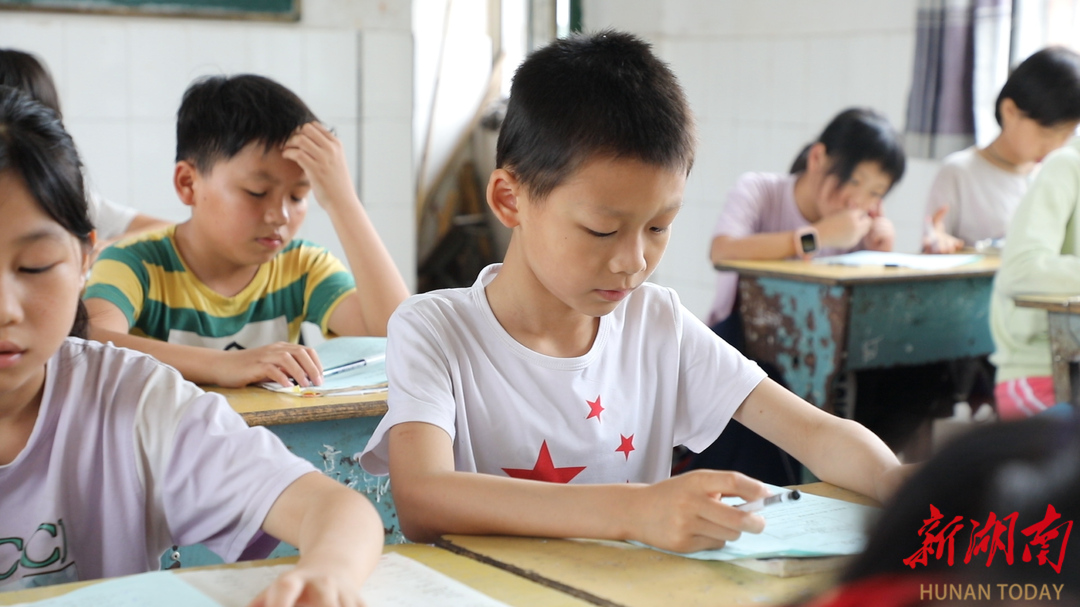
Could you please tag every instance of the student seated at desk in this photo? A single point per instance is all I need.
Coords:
(830, 203)
(977, 190)
(1042, 255)
(545, 400)
(112, 221)
(221, 297)
(984, 477)
(107, 456)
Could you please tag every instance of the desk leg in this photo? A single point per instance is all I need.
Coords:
(330, 446)
(800, 328)
(1065, 356)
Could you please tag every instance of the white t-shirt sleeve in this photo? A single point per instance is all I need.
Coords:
(109, 218)
(945, 191)
(209, 478)
(714, 381)
(418, 372)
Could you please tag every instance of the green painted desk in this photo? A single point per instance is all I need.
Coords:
(1063, 318)
(617, 574)
(327, 431)
(821, 323)
(494, 582)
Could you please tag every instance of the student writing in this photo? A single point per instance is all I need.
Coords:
(221, 297)
(562, 364)
(107, 456)
(112, 221)
(977, 190)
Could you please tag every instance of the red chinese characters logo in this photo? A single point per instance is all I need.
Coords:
(993, 537)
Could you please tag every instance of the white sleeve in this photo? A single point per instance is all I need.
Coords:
(420, 386)
(109, 218)
(208, 477)
(714, 381)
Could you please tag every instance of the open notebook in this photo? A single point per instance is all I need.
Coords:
(351, 365)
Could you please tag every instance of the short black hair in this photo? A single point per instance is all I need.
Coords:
(220, 115)
(603, 94)
(35, 146)
(1046, 87)
(854, 136)
(24, 72)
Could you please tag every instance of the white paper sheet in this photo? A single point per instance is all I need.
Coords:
(397, 581)
(810, 526)
(900, 260)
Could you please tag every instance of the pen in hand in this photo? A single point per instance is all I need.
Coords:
(783, 496)
(353, 365)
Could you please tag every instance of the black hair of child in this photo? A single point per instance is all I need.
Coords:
(593, 96)
(1014, 467)
(221, 115)
(1045, 86)
(35, 146)
(854, 136)
(23, 71)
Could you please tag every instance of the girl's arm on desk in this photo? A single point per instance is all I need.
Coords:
(838, 451)
(339, 535)
(681, 514)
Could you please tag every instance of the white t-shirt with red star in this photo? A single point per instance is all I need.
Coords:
(655, 377)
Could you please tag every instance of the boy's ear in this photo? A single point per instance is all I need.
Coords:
(185, 176)
(502, 196)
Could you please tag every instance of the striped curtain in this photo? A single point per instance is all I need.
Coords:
(940, 117)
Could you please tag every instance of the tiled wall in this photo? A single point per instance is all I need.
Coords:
(763, 78)
(121, 78)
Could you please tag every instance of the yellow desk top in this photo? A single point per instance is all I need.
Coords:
(838, 275)
(496, 583)
(617, 573)
(260, 407)
(1069, 304)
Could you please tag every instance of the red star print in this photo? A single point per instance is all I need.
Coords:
(594, 408)
(545, 470)
(627, 445)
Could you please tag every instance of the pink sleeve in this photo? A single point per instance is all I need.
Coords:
(742, 211)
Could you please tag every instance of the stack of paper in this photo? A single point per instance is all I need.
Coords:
(351, 365)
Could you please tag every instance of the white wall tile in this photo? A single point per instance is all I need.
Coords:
(330, 87)
(789, 80)
(157, 65)
(103, 147)
(721, 66)
(96, 83)
(217, 50)
(386, 85)
(689, 61)
(826, 79)
(42, 38)
(153, 150)
(386, 172)
(278, 53)
(752, 79)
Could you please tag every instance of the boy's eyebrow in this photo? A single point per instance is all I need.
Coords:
(675, 206)
(261, 175)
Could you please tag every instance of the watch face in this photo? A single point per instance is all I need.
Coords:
(808, 242)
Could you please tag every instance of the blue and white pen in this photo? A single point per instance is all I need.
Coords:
(354, 365)
(779, 498)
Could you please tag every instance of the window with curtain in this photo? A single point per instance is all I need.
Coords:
(963, 52)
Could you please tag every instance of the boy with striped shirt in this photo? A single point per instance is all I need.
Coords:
(221, 297)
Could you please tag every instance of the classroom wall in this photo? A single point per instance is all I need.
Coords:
(763, 78)
(121, 79)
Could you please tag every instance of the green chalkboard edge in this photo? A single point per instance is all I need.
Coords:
(150, 10)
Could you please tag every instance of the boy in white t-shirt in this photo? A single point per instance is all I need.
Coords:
(562, 364)
(977, 190)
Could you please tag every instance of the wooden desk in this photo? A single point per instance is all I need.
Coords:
(820, 323)
(326, 431)
(1063, 318)
(617, 574)
(494, 582)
